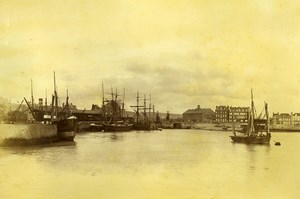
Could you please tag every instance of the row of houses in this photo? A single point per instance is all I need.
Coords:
(229, 114)
(285, 119)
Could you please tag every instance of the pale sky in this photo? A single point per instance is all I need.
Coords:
(184, 53)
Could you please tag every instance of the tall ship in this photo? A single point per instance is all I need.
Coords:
(113, 111)
(143, 119)
(257, 131)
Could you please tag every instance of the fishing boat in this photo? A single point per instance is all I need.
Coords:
(257, 131)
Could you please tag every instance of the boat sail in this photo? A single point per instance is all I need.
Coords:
(257, 130)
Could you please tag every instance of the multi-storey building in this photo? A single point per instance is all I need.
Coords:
(296, 118)
(282, 118)
(238, 114)
(222, 114)
(231, 114)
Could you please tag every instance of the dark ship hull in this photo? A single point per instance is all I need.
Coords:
(96, 127)
(117, 127)
(66, 129)
(142, 127)
(263, 139)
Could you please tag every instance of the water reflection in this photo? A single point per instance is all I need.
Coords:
(115, 137)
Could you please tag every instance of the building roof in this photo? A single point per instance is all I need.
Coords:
(199, 110)
(285, 115)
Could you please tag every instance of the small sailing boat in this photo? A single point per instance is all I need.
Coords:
(257, 130)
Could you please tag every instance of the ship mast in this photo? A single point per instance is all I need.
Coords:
(46, 103)
(145, 110)
(32, 99)
(267, 116)
(103, 107)
(150, 108)
(252, 115)
(123, 105)
(55, 98)
(67, 101)
(137, 107)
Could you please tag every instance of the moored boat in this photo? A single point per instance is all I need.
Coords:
(117, 127)
(257, 130)
(96, 127)
(65, 121)
(66, 128)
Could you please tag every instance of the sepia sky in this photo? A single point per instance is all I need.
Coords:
(184, 53)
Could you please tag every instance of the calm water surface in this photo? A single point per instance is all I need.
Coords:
(164, 164)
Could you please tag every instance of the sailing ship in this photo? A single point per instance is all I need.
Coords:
(114, 110)
(142, 118)
(257, 131)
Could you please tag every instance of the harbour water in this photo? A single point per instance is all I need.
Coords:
(168, 164)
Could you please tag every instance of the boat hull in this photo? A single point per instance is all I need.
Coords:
(265, 139)
(143, 127)
(96, 127)
(67, 135)
(116, 128)
(66, 129)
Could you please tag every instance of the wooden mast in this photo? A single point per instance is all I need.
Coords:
(67, 103)
(32, 99)
(123, 104)
(145, 110)
(252, 131)
(103, 107)
(150, 108)
(267, 116)
(46, 103)
(55, 98)
(137, 108)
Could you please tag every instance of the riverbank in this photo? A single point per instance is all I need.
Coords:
(224, 127)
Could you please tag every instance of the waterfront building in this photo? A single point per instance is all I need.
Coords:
(222, 114)
(295, 118)
(199, 115)
(281, 118)
(238, 114)
(225, 114)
